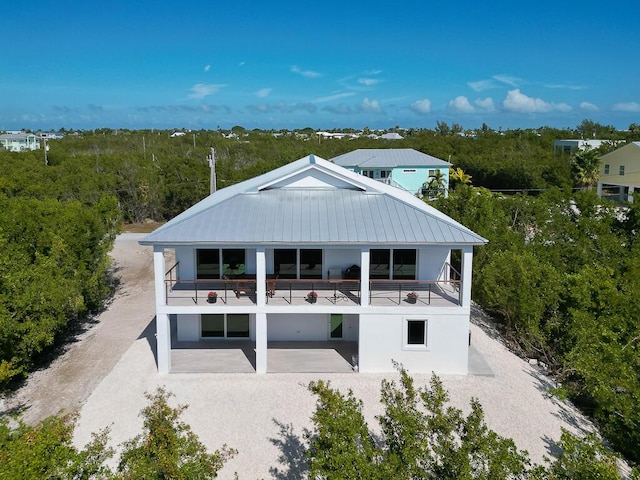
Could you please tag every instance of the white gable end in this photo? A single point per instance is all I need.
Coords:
(312, 178)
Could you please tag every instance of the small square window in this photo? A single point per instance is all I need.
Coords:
(606, 169)
(415, 334)
(621, 169)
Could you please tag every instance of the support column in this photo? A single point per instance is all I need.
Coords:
(364, 276)
(261, 277)
(599, 191)
(158, 274)
(467, 263)
(621, 193)
(163, 343)
(261, 343)
(630, 194)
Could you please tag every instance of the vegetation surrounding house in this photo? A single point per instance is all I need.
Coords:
(560, 272)
(620, 170)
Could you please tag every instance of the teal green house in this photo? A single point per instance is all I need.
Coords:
(404, 168)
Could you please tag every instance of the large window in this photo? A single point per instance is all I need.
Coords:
(404, 264)
(621, 169)
(311, 263)
(379, 263)
(233, 262)
(232, 325)
(285, 262)
(208, 263)
(606, 169)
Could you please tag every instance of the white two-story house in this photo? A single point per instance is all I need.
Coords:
(404, 168)
(313, 252)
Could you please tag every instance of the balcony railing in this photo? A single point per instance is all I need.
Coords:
(242, 291)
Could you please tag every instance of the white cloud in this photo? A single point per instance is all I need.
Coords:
(369, 81)
(371, 105)
(588, 106)
(421, 106)
(516, 101)
(337, 96)
(508, 79)
(482, 85)
(207, 68)
(305, 73)
(626, 107)
(201, 90)
(486, 104)
(461, 104)
(263, 92)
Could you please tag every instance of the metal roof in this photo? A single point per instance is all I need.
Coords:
(388, 157)
(264, 211)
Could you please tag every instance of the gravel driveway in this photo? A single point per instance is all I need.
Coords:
(105, 374)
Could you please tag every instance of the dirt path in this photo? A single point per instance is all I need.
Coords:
(70, 379)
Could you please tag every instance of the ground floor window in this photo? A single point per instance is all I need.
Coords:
(336, 325)
(415, 333)
(219, 325)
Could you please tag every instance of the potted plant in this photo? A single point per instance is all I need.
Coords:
(412, 297)
(212, 297)
(312, 296)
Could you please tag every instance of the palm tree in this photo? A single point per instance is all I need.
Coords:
(458, 177)
(585, 168)
(434, 187)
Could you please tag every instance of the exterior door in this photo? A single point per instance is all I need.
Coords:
(335, 326)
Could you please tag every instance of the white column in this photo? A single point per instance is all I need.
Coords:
(599, 191)
(621, 193)
(163, 343)
(261, 277)
(467, 263)
(261, 343)
(158, 273)
(630, 194)
(364, 276)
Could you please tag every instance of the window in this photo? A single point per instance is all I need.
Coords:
(379, 263)
(606, 169)
(621, 169)
(311, 263)
(232, 325)
(336, 325)
(285, 262)
(208, 263)
(432, 173)
(415, 334)
(383, 174)
(233, 261)
(404, 265)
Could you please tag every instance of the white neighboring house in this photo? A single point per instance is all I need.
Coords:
(569, 146)
(312, 252)
(19, 142)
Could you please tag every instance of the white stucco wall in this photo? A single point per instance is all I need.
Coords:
(430, 261)
(188, 327)
(187, 258)
(381, 341)
(292, 327)
(340, 258)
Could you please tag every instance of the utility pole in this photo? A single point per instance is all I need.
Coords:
(212, 165)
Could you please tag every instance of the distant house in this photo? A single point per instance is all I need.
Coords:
(620, 171)
(177, 134)
(314, 259)
(570, 146)
(405, 168)
(51, 135)
(19, 142)
(391, 136)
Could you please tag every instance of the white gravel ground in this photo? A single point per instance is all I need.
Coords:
(264, 416)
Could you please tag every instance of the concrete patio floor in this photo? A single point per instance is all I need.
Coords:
(282, 357)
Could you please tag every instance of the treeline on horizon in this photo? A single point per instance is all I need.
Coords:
(560, 273)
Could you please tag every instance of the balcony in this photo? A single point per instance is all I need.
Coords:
(240, 292)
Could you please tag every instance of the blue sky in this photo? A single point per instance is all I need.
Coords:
(209, 64)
